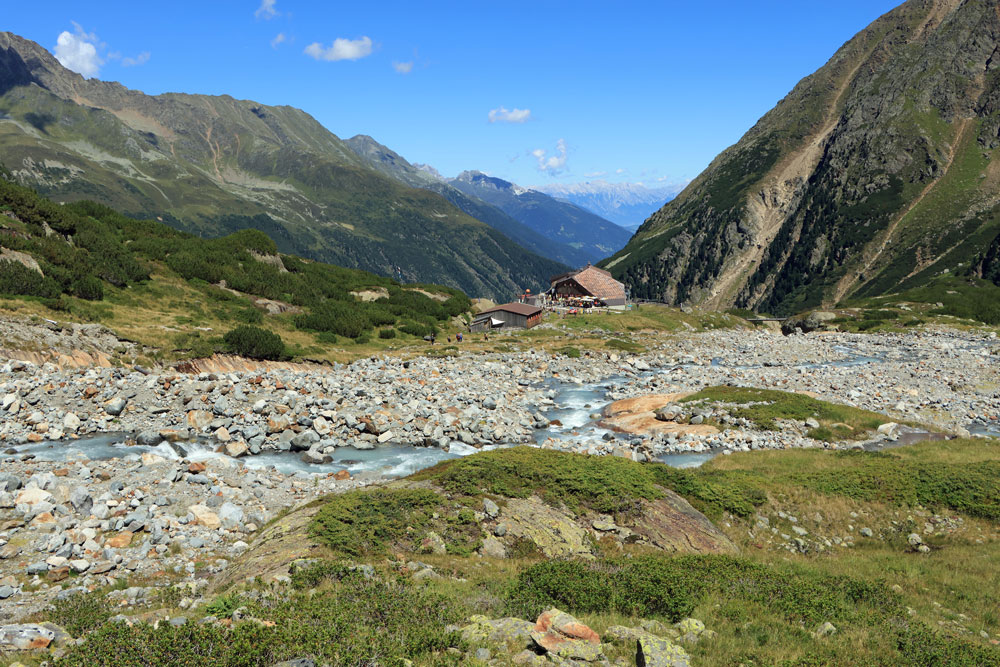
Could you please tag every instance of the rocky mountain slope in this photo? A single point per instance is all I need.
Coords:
(392, 164)
(214, 165)
(873, 175)
(561, 221)
(625, 204)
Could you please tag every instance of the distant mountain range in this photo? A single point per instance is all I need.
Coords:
(392, 164)
(625, 204)
(562, 221)
(551, 227)
(213, 165)
(876, 174)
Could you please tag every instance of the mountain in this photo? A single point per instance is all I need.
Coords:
(213, 165)
(873, 175)
(625, 204)
(556, 220)
(392, 164)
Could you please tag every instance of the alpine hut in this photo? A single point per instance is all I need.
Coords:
(588, 282)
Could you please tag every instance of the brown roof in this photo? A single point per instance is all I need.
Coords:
(597, 282)
(519, 308)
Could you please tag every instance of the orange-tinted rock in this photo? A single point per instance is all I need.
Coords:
(119, 541)
(342, 475)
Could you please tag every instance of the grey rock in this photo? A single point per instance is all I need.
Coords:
(115, 406)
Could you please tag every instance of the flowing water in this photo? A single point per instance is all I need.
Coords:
(574, 409)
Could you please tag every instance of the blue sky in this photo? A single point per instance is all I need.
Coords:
(623, 91)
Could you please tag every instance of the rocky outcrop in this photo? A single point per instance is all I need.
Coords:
(556, 533)
(638, 416)
(671, 524)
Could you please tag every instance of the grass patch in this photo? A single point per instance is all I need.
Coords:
(764, 406)
(569, 351)
(624, 346)
(960, 475)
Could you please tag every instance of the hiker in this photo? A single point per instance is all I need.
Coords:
(458, 337)
(486, 337)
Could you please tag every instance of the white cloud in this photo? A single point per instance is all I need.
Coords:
(140, 59)
(596, 174)
(341, 49)
(551, 164)
(403, 68)
(619, 170)
(266, 10)
(278, 39)
(502, 115)
(78, 51)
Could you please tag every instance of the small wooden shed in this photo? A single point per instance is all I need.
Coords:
(507, 316)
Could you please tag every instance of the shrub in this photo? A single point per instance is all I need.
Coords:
(81, 613)
(370, 521)
(255, 343)
(88, 287)
(571, 352)
(339, 318)
(17, 279)
(354, 621)
(604, 484)
(670, 587)
(386, 334)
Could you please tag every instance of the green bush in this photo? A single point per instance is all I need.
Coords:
(386, 334)
(571, 352)
(416, 329)
(354, 621)
(604, 484)
(670, 586)
(255, 343)
(17, 279)
(81, 613)
(367, 522)
(88, 287)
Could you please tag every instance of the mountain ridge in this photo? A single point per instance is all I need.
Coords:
(384, 159)
(872, 175)
(557, 220)
(213, 165)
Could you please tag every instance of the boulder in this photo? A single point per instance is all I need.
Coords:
(236, 448)
(71, 422)
(205, 516)
(115, 406)
(562, 635)
(199, 419)
(500, 631)
(653, 651)
(25, 637)
(230, 516)
(148, 438)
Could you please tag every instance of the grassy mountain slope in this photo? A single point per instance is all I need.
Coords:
(395, 166)
(874, 174)
(211, 165)
(560, 221)
(90, 262)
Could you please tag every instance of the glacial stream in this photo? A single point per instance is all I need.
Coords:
(574, 411)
